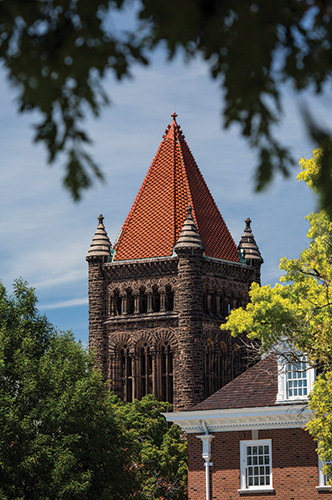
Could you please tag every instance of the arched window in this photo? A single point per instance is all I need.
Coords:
(169, 298)
(126, 367)
(143, 302)
(210, 368)
(237, 361)
(166, 372)
(117, 303)
(144, 370)
(130, 302)
(205, 300)
(223, 366)
(214, 302)
(155, 299)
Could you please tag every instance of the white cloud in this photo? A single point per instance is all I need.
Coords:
(66, 303)
(45, 237)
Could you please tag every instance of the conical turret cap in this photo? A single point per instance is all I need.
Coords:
(100, 245)
(248, 247)
(189, 236)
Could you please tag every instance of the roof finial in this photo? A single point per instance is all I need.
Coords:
(174, 115)
(100, 245)
(248, 247)
(189, 210)
(248, 222)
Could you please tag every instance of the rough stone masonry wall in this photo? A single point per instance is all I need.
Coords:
(97, 313)
(189, 388)
(294, 466)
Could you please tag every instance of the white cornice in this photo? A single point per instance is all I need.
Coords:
(267, 417)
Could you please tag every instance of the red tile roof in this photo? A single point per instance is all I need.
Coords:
(256, 387)
(158, 213)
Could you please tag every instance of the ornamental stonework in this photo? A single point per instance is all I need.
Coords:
(157, 297)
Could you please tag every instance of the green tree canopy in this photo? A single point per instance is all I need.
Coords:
(59, 438)
(57, 53)
(159, 452)
(295, 317)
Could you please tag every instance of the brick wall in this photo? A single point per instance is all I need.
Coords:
(294, 466)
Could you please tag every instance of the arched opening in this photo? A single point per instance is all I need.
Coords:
(169, 298)
(210, 368)
(126, 368)
(117, 303)
(215, 301)
(225, 374)
(130, 302)
(237, 361)
(143, 302)
(155, 299)
(205, 300)
(144, 370)
(166, 372)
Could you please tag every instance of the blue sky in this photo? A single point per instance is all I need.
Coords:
(45, 236)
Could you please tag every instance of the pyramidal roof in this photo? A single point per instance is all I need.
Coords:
(159, 211)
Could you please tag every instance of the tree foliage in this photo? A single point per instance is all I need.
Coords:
(295, 317)
(158, 452)
(59, 438)
(57, 52)
(63, 434)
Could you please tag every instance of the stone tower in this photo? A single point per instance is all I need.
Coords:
(159, 295)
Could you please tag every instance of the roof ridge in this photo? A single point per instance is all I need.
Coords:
(156, 217)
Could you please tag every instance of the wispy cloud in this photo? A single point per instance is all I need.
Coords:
(45, 237)
(65, 303)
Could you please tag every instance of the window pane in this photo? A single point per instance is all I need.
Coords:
(258, 466)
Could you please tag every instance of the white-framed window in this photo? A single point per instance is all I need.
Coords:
(256, 465)
(295, 380)
(323, 478)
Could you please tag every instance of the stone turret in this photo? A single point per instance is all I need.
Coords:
(249, 251)
(156, 306)
(189, 249)
(98, 254)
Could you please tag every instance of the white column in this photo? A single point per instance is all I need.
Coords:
(206, 455)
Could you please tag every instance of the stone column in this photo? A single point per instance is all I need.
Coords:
(163, 301)
(136, 303)
(97, 312)
(123, 296)
(149, 301)
(189, 385)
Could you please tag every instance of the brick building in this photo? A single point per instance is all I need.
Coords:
(248, 438)
(158, 295)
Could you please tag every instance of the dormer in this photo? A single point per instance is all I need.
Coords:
(295, 379)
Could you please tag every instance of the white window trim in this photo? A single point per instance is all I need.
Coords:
(321, 478)
(257, 489)
(282, 395)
